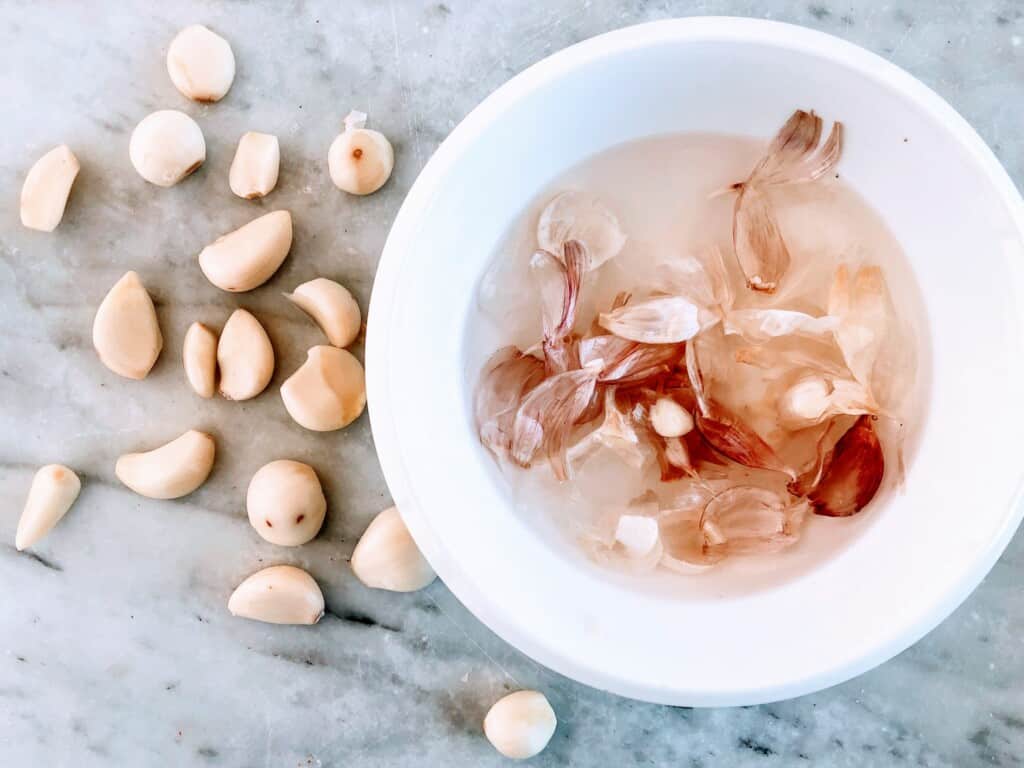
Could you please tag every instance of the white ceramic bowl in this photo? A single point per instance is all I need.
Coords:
(946, 199)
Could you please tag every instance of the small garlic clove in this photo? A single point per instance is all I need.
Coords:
(125, 331)
(166, 147)
(255, 167)
(286, 503)
(201, 64)
(386, 556)
(281, 594)
(638, 535)
(54, 489)
(249, 256)
(670, 419)
(332, 308)
(805, 402)
(170, 471)
(360, 160)
(199, 354)
(327, 392)
(245, 357)
(47, 186)
(521, 724)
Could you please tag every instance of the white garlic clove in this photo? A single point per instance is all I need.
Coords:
(125, 331)
(638, 535)
(280, 594)
(670, 419)
(360, 160)
(201, 64)
(47, 186)
(332, 308)
(805, 402)
(386, 556)
(166, 147)
(54, 489)
(245, 357)
(521, 724)
(199, 353)
(249, 256)
(327, 392)
(286, 503)
(255, 167)
(170, 471)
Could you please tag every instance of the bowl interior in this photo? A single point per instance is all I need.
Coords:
(945, 199)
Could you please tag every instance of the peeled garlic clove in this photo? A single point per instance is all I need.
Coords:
(170, 471)
(201, 64)
(46, 189)
(281, 594)
(638, 535)
(386, 557)
(285, 503)
(332, 308)
(125, 332)
(249, 256)
(245, 357)
(670, 419)
(257, 161)
(521, 724)
(327, 392)
(166, 147)
(360, 160)
(54, 489)
(199, 354)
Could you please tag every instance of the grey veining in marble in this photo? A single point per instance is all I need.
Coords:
(115, 645)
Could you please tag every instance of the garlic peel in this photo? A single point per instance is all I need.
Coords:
(255, 167)
(201, 63)
(247, 257)
(47, 186)
(360, 160)
(53, 491)
(245, 357)
(521, 724)
(327, 392)
(281, 594)
(286, 503)
(166, 146)
(386, 556)
(170, 471)
(199, 354)
(332, 308)
(125, 331)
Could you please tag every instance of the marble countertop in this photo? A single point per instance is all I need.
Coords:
(116, 647)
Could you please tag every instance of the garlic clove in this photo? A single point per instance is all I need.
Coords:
(386, 556)
(170, 471)
(286, 503)
(166, 147)
(281, 594)
(199, 354)
(245, 357)
(54, 489)
(638, 535)
(327, 392)
(255, 167)
(360, 160)
(670, 419)
(47, 186)
(249, 256)
(332, 308)
(125, 331)
(521, 724)
(201, 64)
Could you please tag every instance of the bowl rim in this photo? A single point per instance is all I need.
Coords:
(686, 30)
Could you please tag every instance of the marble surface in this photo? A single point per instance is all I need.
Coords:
(115, 645)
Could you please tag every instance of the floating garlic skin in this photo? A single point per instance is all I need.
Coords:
(285, 503)
(256, 165)
(521, 724)
(53, 491)
(171, 471)
(201, 64)
(386, 556)
(670, 419)
(199, 355)
(360, 160)
(125, 331)
(578, 215)
(280, 594)
(245, 357)
(47, 186)
(166, 146)
(327, 392)
(249, 256)
(332, 308)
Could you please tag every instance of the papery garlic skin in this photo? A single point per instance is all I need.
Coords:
(53, 491)
(670, 419)
(281, 594)
(386, 556)
(256, 165)
(245, 357)
(521, 724)
(285, 503)
(199, 355)
(249, 256)
(327, 392)
(125, 331)
(47, 186)
(332, 308)
(577, 215)
(166, 146)
(360, 160)
(171, 471)
(201, 64)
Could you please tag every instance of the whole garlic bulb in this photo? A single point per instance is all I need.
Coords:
(521, 724)
(166, 146)
(360, 160)
(285, 502)
(201, 64)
